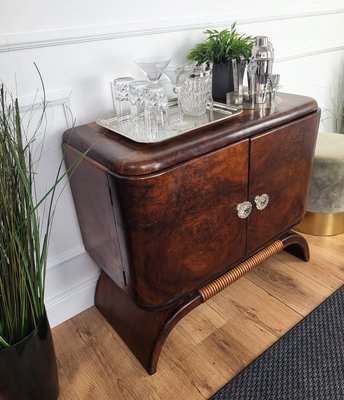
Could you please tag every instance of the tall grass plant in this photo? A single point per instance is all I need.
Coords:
(24, 235)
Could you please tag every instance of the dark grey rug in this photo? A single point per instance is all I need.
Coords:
(307, 363)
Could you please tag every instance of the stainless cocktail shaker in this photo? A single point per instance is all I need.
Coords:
(260, 70)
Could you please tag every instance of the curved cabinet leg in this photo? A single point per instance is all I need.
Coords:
(296, 245)
(144, 332)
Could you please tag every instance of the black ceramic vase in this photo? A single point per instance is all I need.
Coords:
(222, 81)
(28, 369)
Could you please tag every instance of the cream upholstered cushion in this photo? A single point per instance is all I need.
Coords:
(326, 192)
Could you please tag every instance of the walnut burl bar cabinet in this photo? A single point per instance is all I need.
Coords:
(171, 224)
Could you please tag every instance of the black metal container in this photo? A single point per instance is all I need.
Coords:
(222, 80)
(28, 369)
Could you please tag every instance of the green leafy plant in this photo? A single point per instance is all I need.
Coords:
(222, 46)
(24, 235)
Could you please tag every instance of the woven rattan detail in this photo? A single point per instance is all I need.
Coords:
(240, 270)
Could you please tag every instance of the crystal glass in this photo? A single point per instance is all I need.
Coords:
(120, 95)
(137, 91)
(177, 76)
(195, 92)
(152, 66)
(156, 110)
(274, 80)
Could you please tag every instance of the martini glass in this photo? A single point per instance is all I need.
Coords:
(152, 66)
(177, 77)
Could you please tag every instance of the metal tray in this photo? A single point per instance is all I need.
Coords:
(138, 133)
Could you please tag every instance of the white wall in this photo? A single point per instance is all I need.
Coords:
(80, 46)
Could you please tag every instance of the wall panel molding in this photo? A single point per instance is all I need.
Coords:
(52, 99)
(309, 53)
(59, 37)
(65, 256)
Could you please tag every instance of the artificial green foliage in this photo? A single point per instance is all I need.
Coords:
(222, 46)
(23, 236)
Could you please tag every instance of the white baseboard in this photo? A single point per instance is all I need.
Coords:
(70, 287)
(71, 302)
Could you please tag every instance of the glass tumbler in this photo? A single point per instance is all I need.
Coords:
(137, 91)
(120, 95)
(274, 79)
(196, 92)
(156, 111)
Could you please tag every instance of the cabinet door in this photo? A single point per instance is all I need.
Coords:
(280, 166)
(179, 228)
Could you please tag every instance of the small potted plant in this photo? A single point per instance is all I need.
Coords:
(221, 47)
(28, 367)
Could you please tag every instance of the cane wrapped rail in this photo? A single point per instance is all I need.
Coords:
(240, 270)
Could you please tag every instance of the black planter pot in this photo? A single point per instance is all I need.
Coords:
(28, 370)
(222, 80)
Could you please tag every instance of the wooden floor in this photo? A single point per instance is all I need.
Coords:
(212, 344)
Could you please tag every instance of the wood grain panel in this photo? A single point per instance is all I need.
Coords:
(67, 391)
(322, 247)
(206, 377)
(280, 166)
(289, 285)
(254, 308)
(180, 227)
(232, 347)
(101, 370)
(205, 321)
(82, 365)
